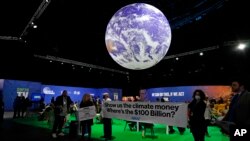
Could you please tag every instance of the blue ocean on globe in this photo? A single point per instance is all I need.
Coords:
(138, 36)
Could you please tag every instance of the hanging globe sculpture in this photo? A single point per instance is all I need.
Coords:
(138, 36)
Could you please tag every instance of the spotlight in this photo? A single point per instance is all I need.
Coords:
(201, 54)
(34, 26)
(241, 46)
(176, 58)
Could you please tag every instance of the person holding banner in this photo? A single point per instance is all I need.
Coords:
(196, 111)
(107, 122)
(86, 124)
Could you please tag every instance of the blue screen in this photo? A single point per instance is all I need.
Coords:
(35, 97)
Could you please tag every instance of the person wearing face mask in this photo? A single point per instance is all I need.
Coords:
(196, 111)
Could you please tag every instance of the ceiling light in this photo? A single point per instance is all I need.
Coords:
(201, 54)
(177, 58)
(241, 46)
(34, 26)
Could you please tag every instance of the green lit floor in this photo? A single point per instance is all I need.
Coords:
(121, 135)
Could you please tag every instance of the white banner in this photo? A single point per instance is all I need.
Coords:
(86, 113)
(168, 113)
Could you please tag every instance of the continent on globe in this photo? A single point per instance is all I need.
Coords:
(138, 36)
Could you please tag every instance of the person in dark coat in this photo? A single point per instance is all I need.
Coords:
(86, 124)
(62, 105)
(196, 111)
(16, 107)
(1, 108)
(239, 108)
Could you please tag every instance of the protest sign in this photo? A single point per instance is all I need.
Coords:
(86, 113)
(174, 114)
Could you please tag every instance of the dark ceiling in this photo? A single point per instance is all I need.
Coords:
(76, 29)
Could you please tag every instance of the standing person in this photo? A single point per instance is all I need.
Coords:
(52, 100)
(196, 115)
(62, 105)
(98, 104)
(207, 115)
(16, 106)
(107, 122)
(220, 101)
(1, 109)
(86, 124)
(239, 108)
(23, 105)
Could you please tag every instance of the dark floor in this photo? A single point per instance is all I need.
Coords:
(12, 130)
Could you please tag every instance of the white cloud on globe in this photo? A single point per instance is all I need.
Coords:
(138, 36)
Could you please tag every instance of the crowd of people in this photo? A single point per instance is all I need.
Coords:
(20, 106)
(237, 115)
(234, 111)
(202, 112)
(57, 114)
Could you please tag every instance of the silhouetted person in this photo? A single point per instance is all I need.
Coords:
(41, 104)
(239, 108)
(220, 101)
(25, 104)
(52, 100)
(1, 109)
(17, 107)
(62, 105)
(157, 99)
(162, 99)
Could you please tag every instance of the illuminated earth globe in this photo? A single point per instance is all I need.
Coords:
(138, 36)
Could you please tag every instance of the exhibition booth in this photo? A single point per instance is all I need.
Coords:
(36, 91)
